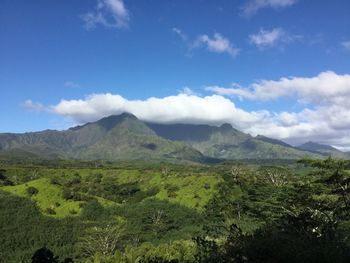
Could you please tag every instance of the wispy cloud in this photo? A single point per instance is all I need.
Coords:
(253, 6)
(181, 34)
(216, 44)
(71, 84)
(346, 44)
(270, 38)
(33, 106)
(188, 91)
(109, 13)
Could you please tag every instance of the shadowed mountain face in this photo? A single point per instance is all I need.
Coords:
(323, 149)
(226, 142)
(126, 137)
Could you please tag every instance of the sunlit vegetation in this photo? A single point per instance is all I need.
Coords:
(128, 212)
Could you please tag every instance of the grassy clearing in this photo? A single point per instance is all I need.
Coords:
(189, 190)
(193, 191)
(48, 198)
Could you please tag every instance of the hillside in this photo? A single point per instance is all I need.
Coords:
(124, 137)
(226, 142)
(323, 149)
(111, 138)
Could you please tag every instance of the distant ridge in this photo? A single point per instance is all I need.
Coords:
(323, 149)
(125, 137)
(273, 141)
(226, 142)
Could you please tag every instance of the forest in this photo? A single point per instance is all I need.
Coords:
(125, 212)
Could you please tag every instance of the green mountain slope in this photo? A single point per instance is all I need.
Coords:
(229, 143)
(111, 138)
(124, 137)
(323, 149)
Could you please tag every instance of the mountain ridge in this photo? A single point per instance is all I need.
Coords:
(124, 136)
(324, 149)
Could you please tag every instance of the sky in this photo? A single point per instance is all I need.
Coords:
(279, 68)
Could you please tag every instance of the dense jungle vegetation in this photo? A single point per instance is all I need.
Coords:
(106, 212)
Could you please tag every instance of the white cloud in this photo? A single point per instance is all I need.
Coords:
(288, 119)
(182, 108)
(33, 106)
(346, 44)
(266, 38)
(253, 6)
(326, 87)
(324, 118)
(326, 121)
(71, 84)
(188, 91)
(109, 13)
(217, 44)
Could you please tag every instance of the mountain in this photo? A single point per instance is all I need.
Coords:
(323, 149)
(124, 137)
(226, 142)
(111, 138)
(273, 141)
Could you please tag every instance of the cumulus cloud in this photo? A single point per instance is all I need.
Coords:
(346, 44)
(33, 106)
(323, 124)
(253, 6)
(109, 13)
(326, 87)
(217, 44)
(269, 38)
(181, 108)
(325, 97)
(324, 117)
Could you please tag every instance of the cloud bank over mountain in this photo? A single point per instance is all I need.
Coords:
(324, 114)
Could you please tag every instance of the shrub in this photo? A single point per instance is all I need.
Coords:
(50, 211)
(32, 191)
(67, 194)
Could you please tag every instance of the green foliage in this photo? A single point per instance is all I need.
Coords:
(32, 191)
(24, 229)
(47, 197)
(136, 212)
(299, 226)
(45, 255)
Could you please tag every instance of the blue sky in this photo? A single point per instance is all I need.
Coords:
(179, 52)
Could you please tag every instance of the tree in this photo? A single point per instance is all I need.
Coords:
(44, 255)
(32, 191)
(275, 175)
(103, 240)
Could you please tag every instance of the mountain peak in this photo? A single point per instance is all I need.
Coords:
(119, 117)
(110, 121)
(226, 126)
